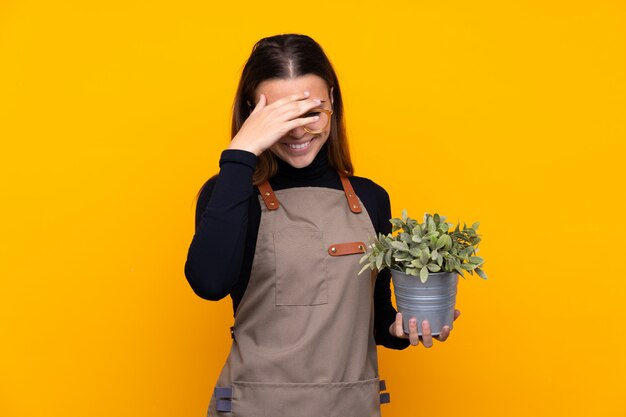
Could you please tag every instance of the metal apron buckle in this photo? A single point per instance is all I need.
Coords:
(223, 397)
(384, 396)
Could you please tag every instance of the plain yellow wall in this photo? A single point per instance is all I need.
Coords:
(113, 114)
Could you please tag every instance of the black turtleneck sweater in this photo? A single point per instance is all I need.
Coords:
(228, 214)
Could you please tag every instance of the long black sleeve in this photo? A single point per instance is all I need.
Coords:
(216, 251)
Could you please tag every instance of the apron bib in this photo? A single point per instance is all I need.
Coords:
(303, 343)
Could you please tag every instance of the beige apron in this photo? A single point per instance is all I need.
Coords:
(303, 342)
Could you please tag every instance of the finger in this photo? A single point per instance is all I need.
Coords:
(301, 121)
(398, 331)
(427, 338)
(260, 104)
(445, 332)
(295, 109)
(457, 313)
(291, 98)
(413, 336)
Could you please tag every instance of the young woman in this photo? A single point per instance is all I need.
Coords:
(281, 229)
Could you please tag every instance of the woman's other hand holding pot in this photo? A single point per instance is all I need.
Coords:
(427, 338)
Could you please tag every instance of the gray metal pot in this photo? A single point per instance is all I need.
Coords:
(433, 300)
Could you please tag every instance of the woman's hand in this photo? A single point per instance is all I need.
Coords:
(268, 123)
(427, 339)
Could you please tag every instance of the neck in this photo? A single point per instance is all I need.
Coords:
(315, 170)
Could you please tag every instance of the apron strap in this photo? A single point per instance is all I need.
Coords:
(271, 202)
(223, 397)
(353, 201)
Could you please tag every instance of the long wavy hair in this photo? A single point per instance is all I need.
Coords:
(282, 57)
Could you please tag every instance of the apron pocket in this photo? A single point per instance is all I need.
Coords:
(336, 399)
(264, 399)
(301, 274)
(355, 399)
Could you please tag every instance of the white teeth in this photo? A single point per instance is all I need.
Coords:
(299, 146)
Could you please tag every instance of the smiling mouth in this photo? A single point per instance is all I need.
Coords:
(299, 146)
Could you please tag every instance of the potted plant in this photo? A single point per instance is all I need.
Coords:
(435, 253)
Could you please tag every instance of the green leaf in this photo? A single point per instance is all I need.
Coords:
(433, 267)
(388, 258)
(396, 222)
(379, 260)
(424, 274)
(404, 215)
(415, 252)
(400, 245)
(364, 257)
(476, 260)
(468, 266)
(441, 241)
(364, 268)
(481, 273)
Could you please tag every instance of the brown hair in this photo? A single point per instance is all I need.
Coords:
(290, 56)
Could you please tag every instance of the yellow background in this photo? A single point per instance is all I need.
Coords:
(114, 113)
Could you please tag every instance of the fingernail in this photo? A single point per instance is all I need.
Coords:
(306, 93)
(413, 321)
